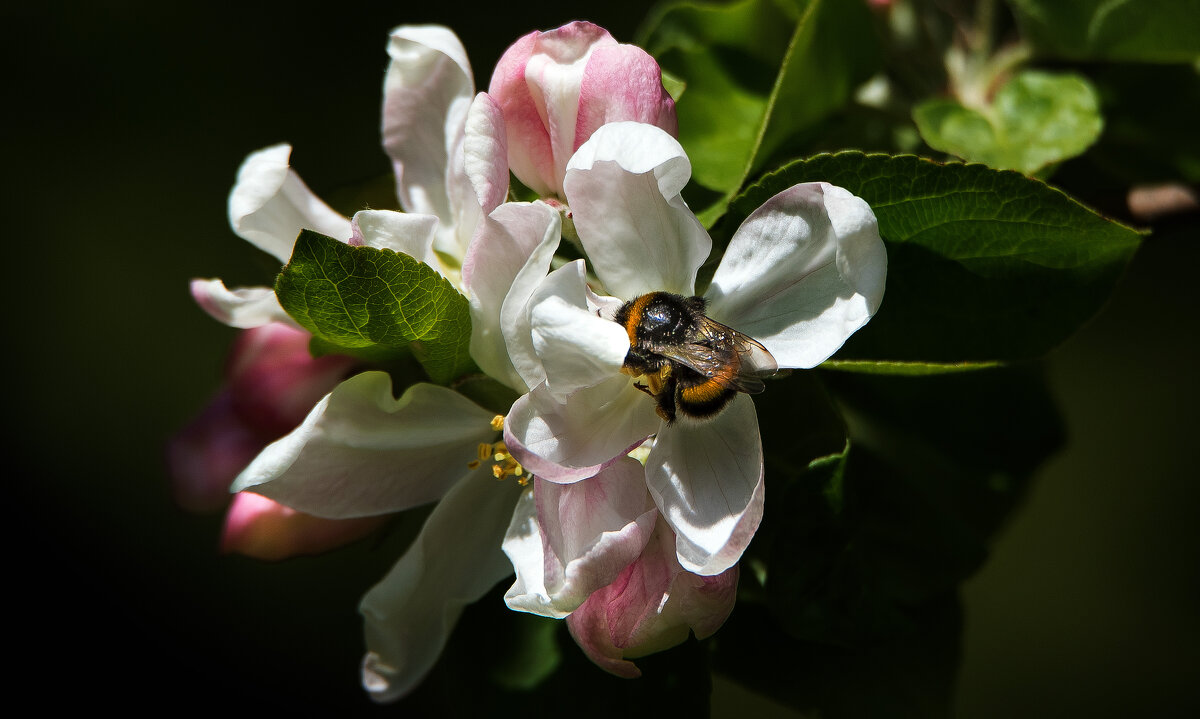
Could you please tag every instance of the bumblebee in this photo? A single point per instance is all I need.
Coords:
(692, 365)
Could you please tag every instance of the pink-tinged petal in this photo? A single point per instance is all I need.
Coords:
(529, 153)
(623, 188)
(554, 74)
(802, 273)
(566, 442)
(453, 562)
(568, 540)
(206, 455)
(243, 307)
(427, 91)
(509, 255)
(403, 232)
(707, 479)
(264, 529)
(362, 452)
(275, 380)
(270, 204)
(576, 346)
(622, 82)
(485, 153)
(651, 606)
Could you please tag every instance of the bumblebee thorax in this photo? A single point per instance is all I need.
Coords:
(660, 318)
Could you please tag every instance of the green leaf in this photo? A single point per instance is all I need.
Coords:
(1035, 119)
(983, 265)
(758, 74)
(362, 298)
(1130, 30)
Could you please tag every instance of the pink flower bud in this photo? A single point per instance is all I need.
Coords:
(264, 529)
(271, 383)
(651, 606)
(555, 88)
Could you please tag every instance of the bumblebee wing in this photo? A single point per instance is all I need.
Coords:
(755, 360)
(725, 356)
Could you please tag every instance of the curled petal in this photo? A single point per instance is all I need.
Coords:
(566, 442)
(508, 256)
(427, 91)
(361, 452)
(403, 232)
(453, 562)
(264, 529)
(485, 152)
(622, 82)
(576, 347)
(651, 606)
(270, 204)
(707, 479)
(243, 307)
(802, 273)
(568, 540)
(623, 188)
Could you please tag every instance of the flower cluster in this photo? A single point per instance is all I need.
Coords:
(623, 516)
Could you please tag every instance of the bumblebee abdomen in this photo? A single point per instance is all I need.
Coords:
(703, 399)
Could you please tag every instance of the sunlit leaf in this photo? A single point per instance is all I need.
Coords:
(362, 298)
(1034, 120)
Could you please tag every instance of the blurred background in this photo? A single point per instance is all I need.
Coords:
(127, 122)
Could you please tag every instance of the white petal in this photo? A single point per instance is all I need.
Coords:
(802, 273)
(576, 439)
(427, 91)
(707, 479)
(577, 348)
(509, 255)
(485, 152)
(623, 188)
(453, 562)
(361, 452)
(244, 307)
(568, 540)
(270, 204)
(402, 232)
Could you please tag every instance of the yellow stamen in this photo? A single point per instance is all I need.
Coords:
(498, 422)
(504, 465)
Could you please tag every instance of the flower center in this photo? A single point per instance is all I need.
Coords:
(503, 463)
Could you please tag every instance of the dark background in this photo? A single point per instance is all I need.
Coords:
(126, 122)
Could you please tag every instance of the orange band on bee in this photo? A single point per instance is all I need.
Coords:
(707, 391)
(636, 309)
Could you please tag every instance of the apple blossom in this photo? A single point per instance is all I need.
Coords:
(427, 112)
(362, 453)
(800, 275)
(556, 88)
